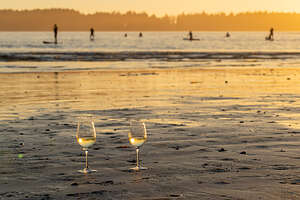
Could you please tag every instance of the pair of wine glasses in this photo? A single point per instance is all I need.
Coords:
(86, 137)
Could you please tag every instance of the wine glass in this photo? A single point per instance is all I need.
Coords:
(86, 137)
(137, 137)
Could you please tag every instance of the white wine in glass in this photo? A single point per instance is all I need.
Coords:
(86, 137)
(137, 137)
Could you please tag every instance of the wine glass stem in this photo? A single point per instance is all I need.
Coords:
(86, 159)
(137, 157)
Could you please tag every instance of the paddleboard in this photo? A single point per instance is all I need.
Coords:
(269, 39)
(194, 39)
(47, 42)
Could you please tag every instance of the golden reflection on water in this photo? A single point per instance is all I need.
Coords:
(292, 120)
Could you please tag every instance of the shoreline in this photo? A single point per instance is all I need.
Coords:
(152, 55)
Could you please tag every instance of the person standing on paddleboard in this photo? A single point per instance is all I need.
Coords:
(271, 36)
(92, 36)
(55, 30)
(190, 35)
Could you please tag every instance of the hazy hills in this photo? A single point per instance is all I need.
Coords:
(71, 20)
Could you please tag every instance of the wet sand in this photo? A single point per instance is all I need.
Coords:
(214, 133)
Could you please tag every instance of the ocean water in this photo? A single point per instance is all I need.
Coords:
(25, 51)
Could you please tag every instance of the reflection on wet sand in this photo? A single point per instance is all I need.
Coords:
(213, 133)
(119, 89)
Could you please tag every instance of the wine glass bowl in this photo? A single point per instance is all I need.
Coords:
(137, 137)
(86, 142)
(86, 137)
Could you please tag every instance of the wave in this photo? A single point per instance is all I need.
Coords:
(144, 55)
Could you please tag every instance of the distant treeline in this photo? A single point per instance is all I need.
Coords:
(71, 20)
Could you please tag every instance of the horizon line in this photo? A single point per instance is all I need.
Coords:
(151, 14)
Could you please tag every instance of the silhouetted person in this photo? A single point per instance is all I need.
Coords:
(271, 36)
(141, 34)
(125, 35)
(190, 35)
(227, 34)
(55, 30)
(92, 36)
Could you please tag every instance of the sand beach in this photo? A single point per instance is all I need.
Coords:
(214, 133)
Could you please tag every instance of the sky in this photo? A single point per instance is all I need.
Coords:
(158, 7)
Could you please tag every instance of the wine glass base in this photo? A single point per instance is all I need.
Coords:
(138, 168)
(86, 171)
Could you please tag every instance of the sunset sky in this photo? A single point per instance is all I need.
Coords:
(158, 7)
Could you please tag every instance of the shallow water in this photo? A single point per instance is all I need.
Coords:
(152, 41)
(25, 51)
